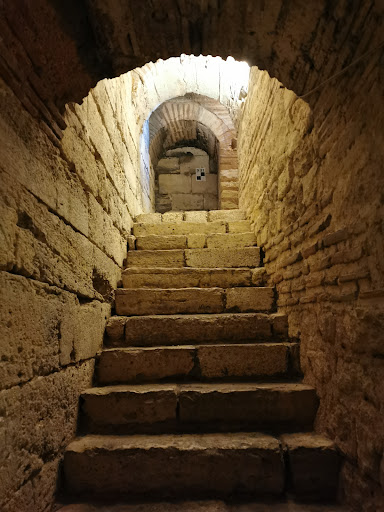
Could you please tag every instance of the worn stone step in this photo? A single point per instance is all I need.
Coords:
(171, 466)
(156, 408)
(192, 216)
(146, 301)
(314, 464)
(197, 258)
(192, 277)
(146, 364)
(152, 330)
(180, 228)
(195, 241)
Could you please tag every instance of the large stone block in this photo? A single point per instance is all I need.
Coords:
(141, 301)
(155, 242)
(144, 364)
(213, 258)
(226, 215)
(182, 228)
(240, 226)
(242, 360)
(209, 186)
(174, 184)
(192, 465)
(168, 258)
(235, 240)
(187, 201)
(249, 299)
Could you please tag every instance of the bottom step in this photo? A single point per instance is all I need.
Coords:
(199, 465)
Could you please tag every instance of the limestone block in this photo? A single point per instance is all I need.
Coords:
(187, 202)
(149, 218)
(284, 182)
(199, 216)
(115, 328)
(41, 419)
(182, 228)
(143, 301)
(7, 236)
(259, 276)
(113, 465)
(249, 299)
(174, 183)
(185, 278)
(226, 215)
(210, 202)
(176, 329)
(171, 217)
(155, 242)
(209, 186)
(243, 360)
(262, 405)
(168, 258)
(213, 258)
(231, 240)
(314, 465)
(119, 366)
(111, 406)
(241, 226)
(196, 241)
(131, 241)
(168, 165)
(188, 164)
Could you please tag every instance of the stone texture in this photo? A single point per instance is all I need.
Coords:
(231, 240)
(144, 364)
(220, 464)
(169, 301)
(242, 360)
(196, 241)
(239, 226)
(273, 406)
(183, 228)
(196, 216)
(213, 258)
(155, 242)
(249, 299)
(186, 277)
(168, 258)
(314, 465)
(175, 329)
(111, 406)
(187, 201)
(226, 215)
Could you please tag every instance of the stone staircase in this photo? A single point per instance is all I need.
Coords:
(199, 385)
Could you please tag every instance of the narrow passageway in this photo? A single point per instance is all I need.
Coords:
(191, 263)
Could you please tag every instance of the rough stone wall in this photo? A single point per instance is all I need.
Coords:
(62, 244)
(312, 182)
(177, 187)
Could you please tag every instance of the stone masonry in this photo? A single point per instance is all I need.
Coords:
(198, 385)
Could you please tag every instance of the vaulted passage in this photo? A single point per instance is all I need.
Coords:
(191, 248)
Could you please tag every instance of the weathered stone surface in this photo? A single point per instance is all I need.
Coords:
(243, 360)
(111, 406)
(314, 465)
(196, 241)
(182, 228)
(155, 242)
(259, 276)
(174, 183)
(199, 216)
(149, 218)
(186, 277)
(187, 201)
(144, 364)
(249, 299)
(226, 215)
(168, 258)
(213, 258)
(175, 329)
(276, 406)
(172, 217)
(175, 466)
(169, 301)
(231, 240)
(239, 226)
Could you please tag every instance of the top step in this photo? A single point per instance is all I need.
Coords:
(192, 216)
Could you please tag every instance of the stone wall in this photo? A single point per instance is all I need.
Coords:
(312, 181)
(177, 188)
(65, 213)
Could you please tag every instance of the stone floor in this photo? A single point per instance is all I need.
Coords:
(204, 506)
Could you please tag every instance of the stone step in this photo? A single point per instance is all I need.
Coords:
(171, 466)
(197, 258)
(192, 277)
(191, 216)
(150, 364)
(156, 408)
(157, 301)
(195, 241)
(193, 466)
(155, 330)
(206, 506)
(189, 228)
